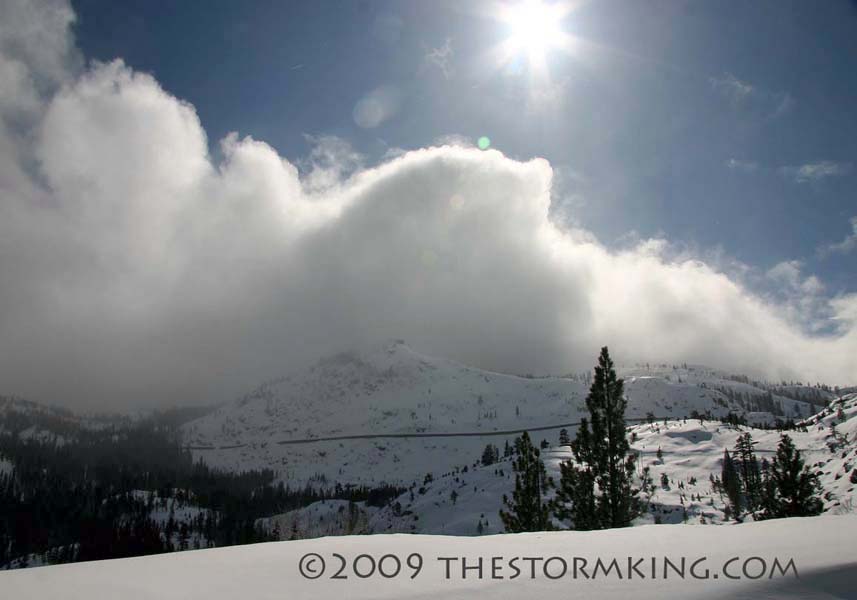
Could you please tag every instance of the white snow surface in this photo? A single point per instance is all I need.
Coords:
(824, 550)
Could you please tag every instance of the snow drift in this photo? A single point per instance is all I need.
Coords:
(822, 550)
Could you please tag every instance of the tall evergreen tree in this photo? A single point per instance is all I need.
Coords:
(527, 509)
(731, 483)
(748, 468)
(602, 459)
(790, 489)
(575, 497)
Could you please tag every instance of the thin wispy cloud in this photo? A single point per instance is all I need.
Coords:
(742, 166)
(847, 245)
(731, 87)
(441, 58)
(816, 171)
(784, 102)
(744, 95)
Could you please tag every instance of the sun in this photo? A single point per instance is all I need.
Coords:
(536, 27)
(534, 32)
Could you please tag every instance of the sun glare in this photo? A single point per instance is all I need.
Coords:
(536, 28)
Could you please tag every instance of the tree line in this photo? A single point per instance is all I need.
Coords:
(95, 495)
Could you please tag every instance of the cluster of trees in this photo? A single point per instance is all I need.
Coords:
(783, 487)
(95, 496)
(491, 454)
(752, 402)
(599, 489)
(528, 509)
(596, 490)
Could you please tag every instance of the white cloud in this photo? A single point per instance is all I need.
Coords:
(801, 297)
(330, 161)
(135, 269)
(816, 171)
(845, 246)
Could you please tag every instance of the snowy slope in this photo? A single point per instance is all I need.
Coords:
(392, 389)
(319, 519)
(691, 452)
(823, 550)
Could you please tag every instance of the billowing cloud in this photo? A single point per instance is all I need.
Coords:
(135, 269)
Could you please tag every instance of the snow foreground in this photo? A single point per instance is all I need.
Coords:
(823, 551)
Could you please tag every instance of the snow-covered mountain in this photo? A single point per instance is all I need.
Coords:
(392, 389)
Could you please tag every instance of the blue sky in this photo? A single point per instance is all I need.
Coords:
(688, 120)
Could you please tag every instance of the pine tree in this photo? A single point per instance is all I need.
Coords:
(731, 484)
(790, 489)
(748, 468)
(527, 509)
(768, 504)
(490, 455)
(575, 497)
(602, 459)
(507, 450)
